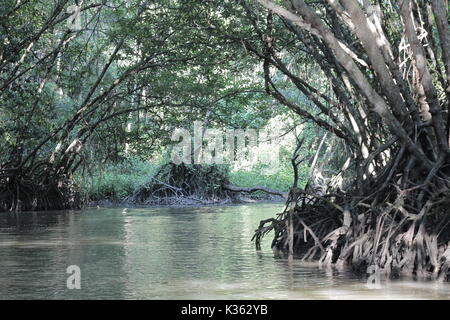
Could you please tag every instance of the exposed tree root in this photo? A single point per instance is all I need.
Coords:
(22, 193)
(189, 185)
(184, 185)
(401, 227)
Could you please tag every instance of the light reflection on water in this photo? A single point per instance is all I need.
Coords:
(168, 253)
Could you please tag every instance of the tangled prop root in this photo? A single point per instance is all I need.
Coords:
(401, 230)
(184, 185)
(30, 193)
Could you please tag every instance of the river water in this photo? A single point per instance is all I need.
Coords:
(168, 253)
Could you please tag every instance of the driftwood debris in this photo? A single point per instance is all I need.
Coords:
(254, 189)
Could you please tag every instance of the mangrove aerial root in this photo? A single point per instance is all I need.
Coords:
(22, 192)
(184, 185)
(400, 225)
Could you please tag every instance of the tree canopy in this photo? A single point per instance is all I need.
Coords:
(373, 78)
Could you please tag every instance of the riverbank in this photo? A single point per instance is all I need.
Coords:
(135, 180)
(145, 185)
(268, 199)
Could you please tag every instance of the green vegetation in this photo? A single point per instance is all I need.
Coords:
(358, 91)
(280, 180)
(116, 181)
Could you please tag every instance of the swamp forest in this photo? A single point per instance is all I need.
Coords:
(216, 143)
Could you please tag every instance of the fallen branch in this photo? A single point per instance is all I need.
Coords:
(254, 189)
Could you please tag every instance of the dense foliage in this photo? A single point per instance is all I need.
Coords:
(361, 88)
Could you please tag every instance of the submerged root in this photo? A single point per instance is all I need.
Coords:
(401, 231)
(184, 185)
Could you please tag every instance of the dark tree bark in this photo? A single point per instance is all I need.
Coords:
(394, 213)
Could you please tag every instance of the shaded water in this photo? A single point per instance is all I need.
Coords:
(168, 253)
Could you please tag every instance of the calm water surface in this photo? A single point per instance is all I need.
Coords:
(168, 253)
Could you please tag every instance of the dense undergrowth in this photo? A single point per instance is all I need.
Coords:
(117, 182)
